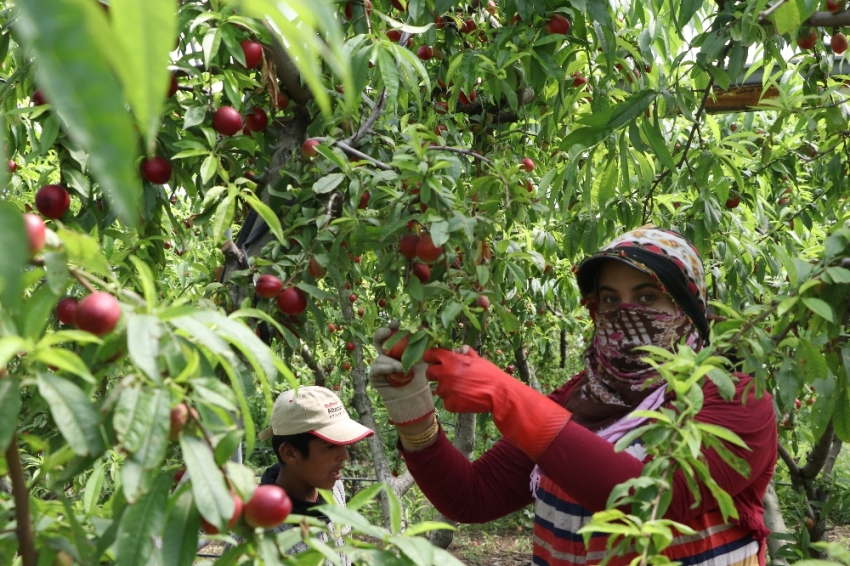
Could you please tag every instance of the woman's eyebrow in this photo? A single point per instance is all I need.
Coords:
(644, 286)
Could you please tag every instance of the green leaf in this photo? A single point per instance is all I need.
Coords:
(65, 360)
(10, 346)
(145, 276)
(143, 334)
(144, 35)
(328, 183)
(819, 307)
(787, 17)
(74, 414)
(723, 433)
(10, 406)
(83, 251)
(15, 245)
(140, 523)
(180, 537)
(80, 84)
(266, 213)
(94, 487)
(208, 486)
(631, 108)
(142, 422)
(659, 146)
(223, 217)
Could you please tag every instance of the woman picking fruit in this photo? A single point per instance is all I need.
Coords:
(646, 287)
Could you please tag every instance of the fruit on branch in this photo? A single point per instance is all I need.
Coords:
(510, 369)
(360, 312)
(527, 164)
(257, 120)
(52, 201)
(463, 99)
(308, 148)
(97, 313)
(469, 26)
(268, 507)
(427, 251)
(38, 98)
(838, 41)
(346, 366)
(364, 200)
(483, 302)
(807, 40)
(11, 166)
(315, 269)
(439, 22)
(382, 303)
(226, 121)
(398, 5)
(282, 101)
(173, 87)
(352, 298)
(292, 301)
(268, 286)
(733, 127)
(558, 23)
(156, 170)
(834, 6)
(733, 201)
(179, 418)
(394, 35)
(424, 52)
(408, 245)
(65, 310)
(238, 508)
(422, 272)
(253, 51)
(578, 80)
(349, 346)
(441, 107)
(36, 232)
(331, 327)
(491, 7)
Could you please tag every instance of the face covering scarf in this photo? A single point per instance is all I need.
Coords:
(616, 379)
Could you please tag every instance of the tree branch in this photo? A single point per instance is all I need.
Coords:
(287, 72)
(789, 460)
(817, 455)
(26, 537)
(313, 365)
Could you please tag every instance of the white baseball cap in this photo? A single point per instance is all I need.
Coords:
(315, 410)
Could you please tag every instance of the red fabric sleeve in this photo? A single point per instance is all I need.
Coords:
(494, 485)
(586, 466)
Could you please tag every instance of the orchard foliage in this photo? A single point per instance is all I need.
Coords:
(437, 163)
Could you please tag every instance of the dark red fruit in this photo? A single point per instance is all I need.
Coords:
(156, 170)
(238, 508)
(349, 346)
(483, 302)
(364, 200)
(422, 272)
(38, 98)
(733, 201)
(394, 35)
(838, 41)
(65, 310)
(424, 52)
(398, 348)
(282, 101)
(253, 53)
(268, 507)
(257, 120)
(382, 303)
(97, 313)
(292, 301)
(227, 121)
(463, 99)
(558, 24)
(52, 201)
(807, 40)
(427, 251)
(268, 286)
(408, 245)
(527, 164)
(173, 87)
(315, 269)
(11, 166)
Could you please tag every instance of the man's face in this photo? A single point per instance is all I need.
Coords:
(321, 469)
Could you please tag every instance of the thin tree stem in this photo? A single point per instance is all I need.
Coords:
(26, 537)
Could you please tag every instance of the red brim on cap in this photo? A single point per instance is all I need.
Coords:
(346, 431)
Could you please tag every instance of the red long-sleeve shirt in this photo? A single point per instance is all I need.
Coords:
(587, 468)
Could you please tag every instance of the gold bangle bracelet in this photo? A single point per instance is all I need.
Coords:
(423, 438)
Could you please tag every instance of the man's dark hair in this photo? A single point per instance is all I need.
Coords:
(300, 442)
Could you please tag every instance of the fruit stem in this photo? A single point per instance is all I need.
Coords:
(26, 539)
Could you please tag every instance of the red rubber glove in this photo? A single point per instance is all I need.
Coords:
(468, 383)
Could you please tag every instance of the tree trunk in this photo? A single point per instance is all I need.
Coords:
(464, 440)
(776, 523)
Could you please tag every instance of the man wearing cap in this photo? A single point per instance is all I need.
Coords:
(310, 430)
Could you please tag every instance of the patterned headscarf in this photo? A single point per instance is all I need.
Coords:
(664, 254)
(616, 380)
